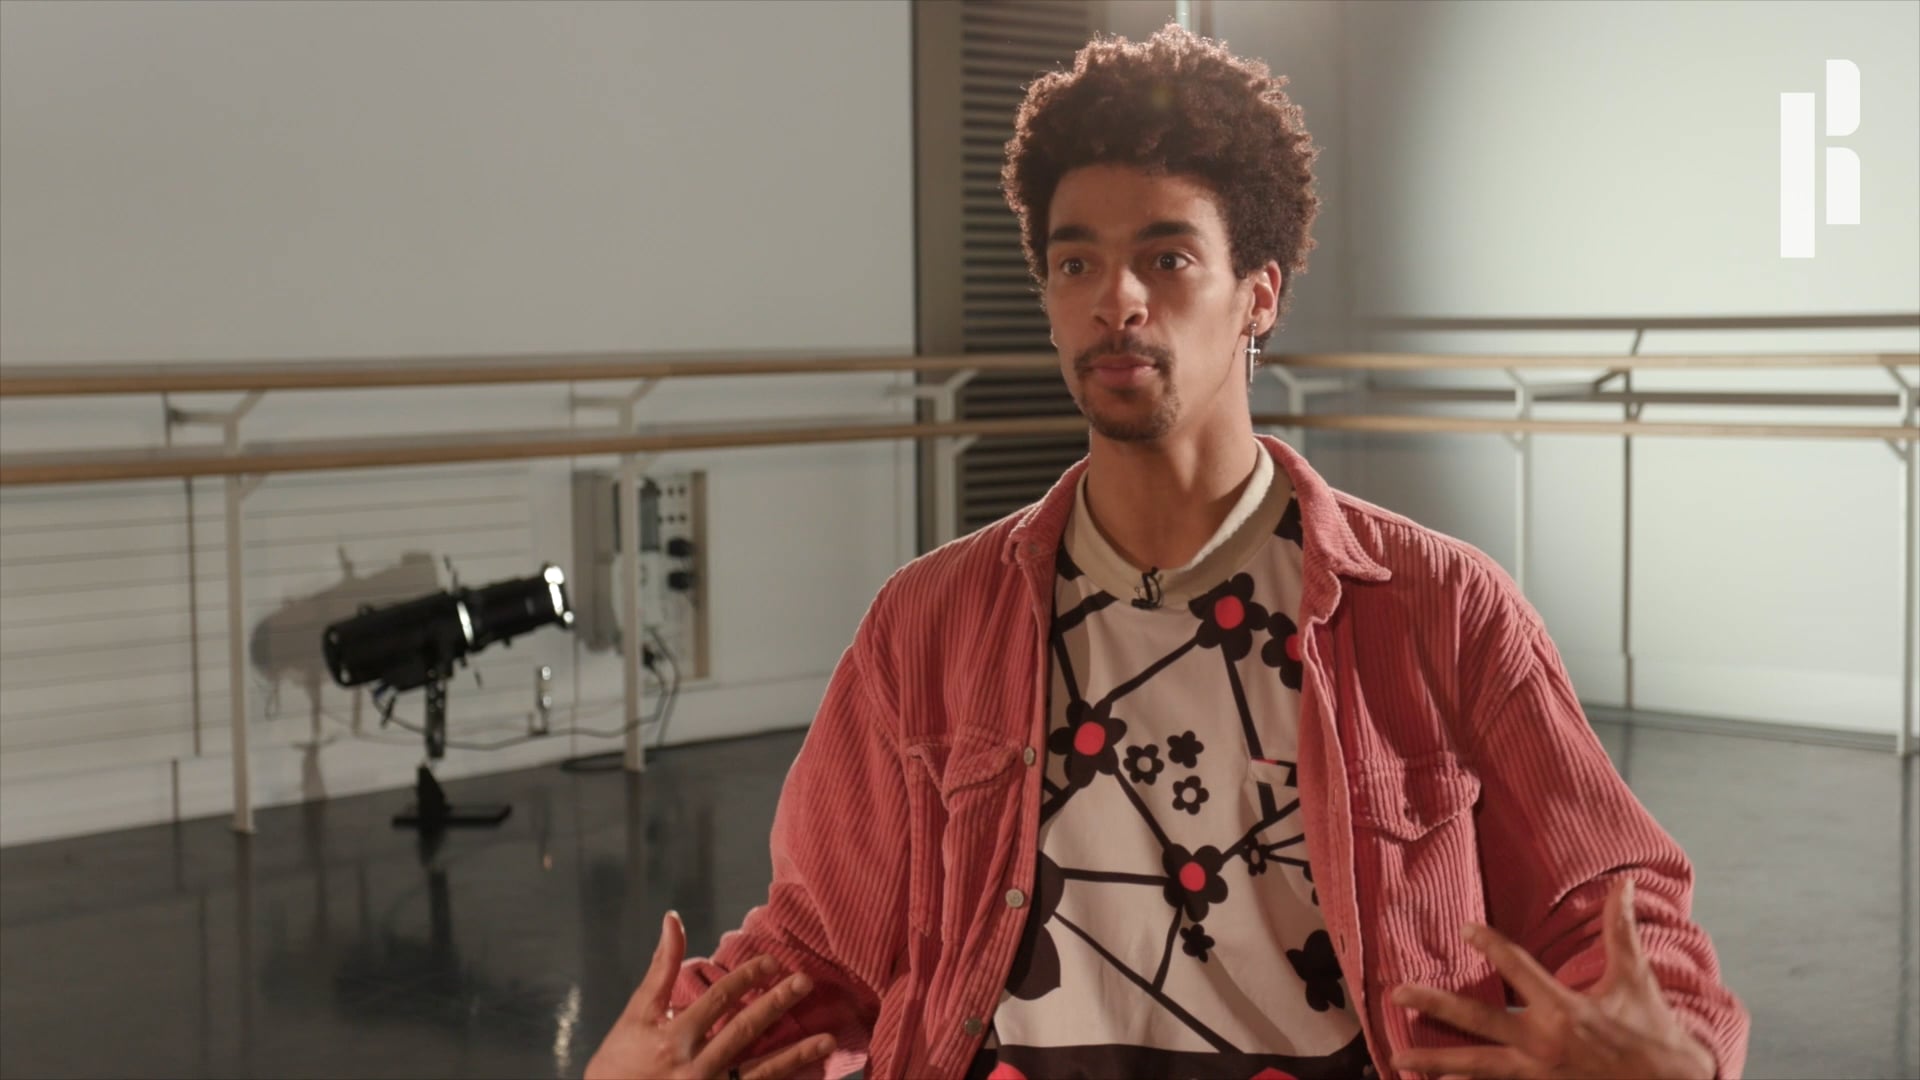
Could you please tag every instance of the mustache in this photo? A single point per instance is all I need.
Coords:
(1125, 344)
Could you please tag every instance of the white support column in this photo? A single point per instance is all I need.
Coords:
(1297, 390)
(947, 449)
(237, 660)
(632, 636)
(946, 484)
(1522, 478)
(1908, 474)
(1295, 435)
(1629, 412)
(627, 523)
(237, 488)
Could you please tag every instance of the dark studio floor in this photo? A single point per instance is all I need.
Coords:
(323, 947)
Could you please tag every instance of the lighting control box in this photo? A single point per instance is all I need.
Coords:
(669, 510)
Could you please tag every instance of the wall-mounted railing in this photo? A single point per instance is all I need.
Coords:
(1302, 375)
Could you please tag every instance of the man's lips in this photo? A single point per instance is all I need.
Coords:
(1120, 371)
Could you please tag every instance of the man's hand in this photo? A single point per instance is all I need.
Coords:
(651, 1041)
(1622, 1029)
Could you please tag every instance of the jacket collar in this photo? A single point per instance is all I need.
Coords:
(1330, 548)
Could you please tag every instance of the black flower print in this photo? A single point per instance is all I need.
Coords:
(1256, 857)
(1194, 883)
(1282, 650)
(1144, 764)
(1319, 968)
(1289, 528)
(1036, 963)
(1086, 742)
(1195, 942)
(1228, 617)
(1188, 794)
(1185, 750)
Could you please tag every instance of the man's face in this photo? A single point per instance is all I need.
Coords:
(1146, 312)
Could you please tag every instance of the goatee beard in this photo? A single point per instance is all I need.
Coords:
(1131, 428)
(1166, 409)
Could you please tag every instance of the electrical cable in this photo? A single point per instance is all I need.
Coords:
(615, 760)
(387, 717)
(673, 694)
(663, 710)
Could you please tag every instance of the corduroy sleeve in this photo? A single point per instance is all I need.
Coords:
(1557, 824)
(837, 907)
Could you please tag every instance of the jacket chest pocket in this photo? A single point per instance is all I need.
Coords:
(1416, 864)
(960, 793)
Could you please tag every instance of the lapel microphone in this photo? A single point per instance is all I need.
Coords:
(1147, 594)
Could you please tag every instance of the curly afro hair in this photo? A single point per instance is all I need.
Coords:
(1176, 104)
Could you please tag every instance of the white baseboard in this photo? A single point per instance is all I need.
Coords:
(1850, 703)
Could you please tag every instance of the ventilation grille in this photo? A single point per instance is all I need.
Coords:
(1004, 46)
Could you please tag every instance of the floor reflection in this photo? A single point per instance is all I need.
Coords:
(333, 944)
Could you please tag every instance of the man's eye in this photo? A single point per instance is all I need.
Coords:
(1070, 266)
(1164, 258)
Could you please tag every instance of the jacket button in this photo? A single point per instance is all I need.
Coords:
(1028, 755)
(972, 1026)
(1016, 898)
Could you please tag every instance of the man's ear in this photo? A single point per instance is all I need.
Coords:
(1268, 280)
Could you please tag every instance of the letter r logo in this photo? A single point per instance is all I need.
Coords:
(1797, 160)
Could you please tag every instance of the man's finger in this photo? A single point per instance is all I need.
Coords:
(1522, 972)
(698, 1018)
(784, 1063)
(744, 1029)
(1493, 1062)
(1473, 1017)
(1625, 958)
(649, 1001)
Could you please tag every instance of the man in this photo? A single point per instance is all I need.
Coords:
(1197, 767)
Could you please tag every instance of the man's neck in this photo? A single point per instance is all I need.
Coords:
(1159, 503)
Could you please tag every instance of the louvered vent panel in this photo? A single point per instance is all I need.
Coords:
(1004, 46)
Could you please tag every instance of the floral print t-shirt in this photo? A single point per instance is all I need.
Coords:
(1174, 929)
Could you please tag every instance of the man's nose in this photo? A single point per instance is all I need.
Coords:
(1122, 304)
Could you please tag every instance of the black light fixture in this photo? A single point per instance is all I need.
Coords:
(416, 643)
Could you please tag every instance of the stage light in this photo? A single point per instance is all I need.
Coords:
(415, 643)
(409, 644)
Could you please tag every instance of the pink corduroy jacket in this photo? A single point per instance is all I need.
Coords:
(1447, 775)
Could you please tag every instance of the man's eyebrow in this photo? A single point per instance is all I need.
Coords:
(1156, 231)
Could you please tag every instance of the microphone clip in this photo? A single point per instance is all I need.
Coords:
(1148, 593)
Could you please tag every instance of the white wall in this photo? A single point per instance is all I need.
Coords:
(1584, 160)
(214, 182)
(257, 181)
